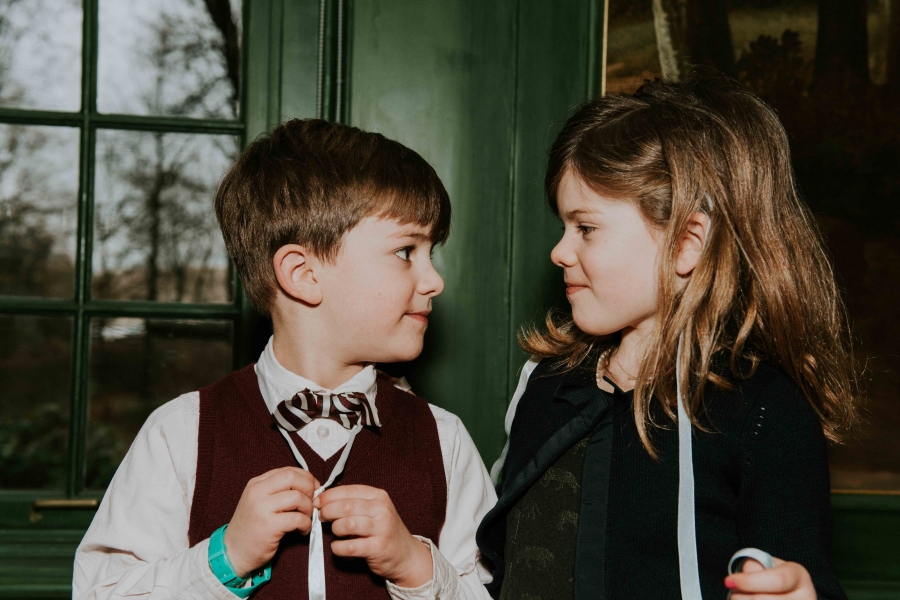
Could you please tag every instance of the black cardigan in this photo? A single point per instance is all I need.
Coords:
(761, 480)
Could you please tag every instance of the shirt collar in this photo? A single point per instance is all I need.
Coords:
(276, 383)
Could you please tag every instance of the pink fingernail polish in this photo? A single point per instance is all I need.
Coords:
(730, 584)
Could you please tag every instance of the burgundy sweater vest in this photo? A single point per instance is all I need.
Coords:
(239, 440)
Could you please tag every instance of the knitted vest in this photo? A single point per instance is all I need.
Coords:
(239, 440)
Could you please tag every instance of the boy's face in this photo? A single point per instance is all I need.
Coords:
(376, 294)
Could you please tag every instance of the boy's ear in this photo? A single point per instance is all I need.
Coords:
(297, 271)
(691, 245)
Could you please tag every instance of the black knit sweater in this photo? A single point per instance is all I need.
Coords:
(761, 480)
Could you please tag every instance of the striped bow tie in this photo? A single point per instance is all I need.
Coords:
(348, 409)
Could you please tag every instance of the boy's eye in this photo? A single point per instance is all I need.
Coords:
(585, 229)
(404, 253)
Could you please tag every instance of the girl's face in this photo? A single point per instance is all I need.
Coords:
(609, 255)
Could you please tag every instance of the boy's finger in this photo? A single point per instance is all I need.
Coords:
(268, 474)
(781, 579)
(356, 526)
(291, 500)
(356, 547)
(293, 479)
(293, 521)
(348, 507)
(343, 492)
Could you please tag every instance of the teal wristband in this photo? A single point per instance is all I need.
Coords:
(224, 572)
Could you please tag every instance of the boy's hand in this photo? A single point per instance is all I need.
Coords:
(786, 580)
(273, 504)
(367, 516)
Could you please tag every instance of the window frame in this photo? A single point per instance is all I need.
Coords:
(82, 307)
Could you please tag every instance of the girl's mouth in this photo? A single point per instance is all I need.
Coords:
(421, 317)
(572, 289)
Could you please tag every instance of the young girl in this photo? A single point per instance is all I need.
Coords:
(681, 413)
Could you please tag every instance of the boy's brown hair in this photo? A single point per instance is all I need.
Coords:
(763, 288)
(309, 182)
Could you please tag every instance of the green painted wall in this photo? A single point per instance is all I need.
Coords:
(478, 88)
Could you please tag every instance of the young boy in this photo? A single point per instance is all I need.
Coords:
(331, 229)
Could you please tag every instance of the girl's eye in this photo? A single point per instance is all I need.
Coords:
(585, 229)
(403, 253)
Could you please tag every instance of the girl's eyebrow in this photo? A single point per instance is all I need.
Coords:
(573, 214)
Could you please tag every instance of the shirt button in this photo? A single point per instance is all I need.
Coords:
(322, 432)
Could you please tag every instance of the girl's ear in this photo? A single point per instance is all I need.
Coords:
(691, 245)
(297, 271)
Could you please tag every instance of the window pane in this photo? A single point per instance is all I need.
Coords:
(170, 57)
(35, 378)
(38, 210)
(40, 57)
(136, 366)
(155, 233)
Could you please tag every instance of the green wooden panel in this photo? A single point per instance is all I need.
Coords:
(479, 90)
(300, 56)
(37, 564)
(37, 549)
(557, 61)
(440, 77)
(262, 83)
(867, 543)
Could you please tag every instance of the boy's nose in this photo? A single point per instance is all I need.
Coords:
(431, 283)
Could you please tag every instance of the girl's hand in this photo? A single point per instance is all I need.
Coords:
(367, 520)
(786, 580)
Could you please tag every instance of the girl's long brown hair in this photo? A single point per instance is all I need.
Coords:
(763, 288)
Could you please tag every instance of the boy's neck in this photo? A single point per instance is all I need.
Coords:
(313, 361)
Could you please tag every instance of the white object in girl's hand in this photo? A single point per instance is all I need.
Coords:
(736, 564)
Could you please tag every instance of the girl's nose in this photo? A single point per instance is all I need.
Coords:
(562, 255)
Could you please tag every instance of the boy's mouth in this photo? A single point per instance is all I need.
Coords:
(421, 317)
(572, 288)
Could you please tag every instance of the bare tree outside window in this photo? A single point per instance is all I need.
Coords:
(38, 208)
(175, 58)
(40, 57)
(155, 235)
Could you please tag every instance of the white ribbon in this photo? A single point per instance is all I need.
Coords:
(316, 575)
(688, 568)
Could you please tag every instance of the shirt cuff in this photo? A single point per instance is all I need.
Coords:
(205, 584)
(443, 584)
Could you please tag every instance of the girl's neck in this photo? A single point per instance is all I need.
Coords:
(625, 362)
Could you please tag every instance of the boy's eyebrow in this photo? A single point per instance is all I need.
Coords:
(413, 234)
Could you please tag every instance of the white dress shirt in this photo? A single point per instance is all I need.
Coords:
(137, 545)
